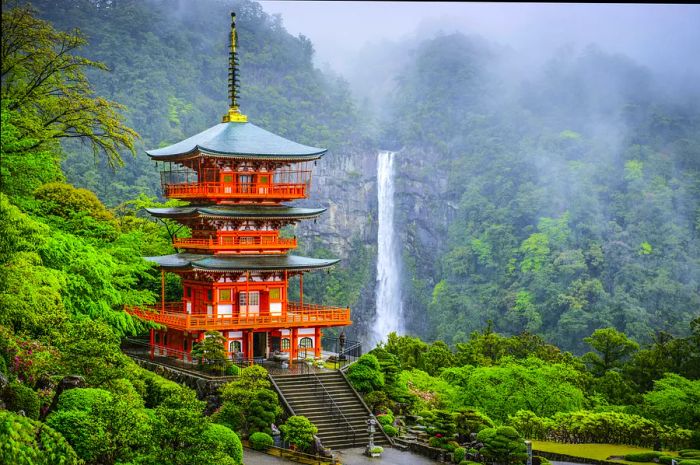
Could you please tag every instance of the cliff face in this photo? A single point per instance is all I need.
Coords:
(345, 182)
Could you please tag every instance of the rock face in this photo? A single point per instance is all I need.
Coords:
(345, 182)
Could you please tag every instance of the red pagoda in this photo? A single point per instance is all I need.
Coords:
(235, 267)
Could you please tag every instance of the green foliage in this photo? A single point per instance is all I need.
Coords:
(390, 430)
(47, 85)
(19, 397)
(459, 454)
(503, 390)
(83, 399)
(222, 439)
(674, 399)
(298, 430)
(503, 445)
(249, 403)
(211, 350)
(469, 421)
(365, 374)
(29, 442)
(102, 427)
(643, 456)
(612, 348)
(260, 441)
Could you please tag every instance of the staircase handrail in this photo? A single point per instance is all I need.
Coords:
(357, 394)
(279, 393)
(335, 408)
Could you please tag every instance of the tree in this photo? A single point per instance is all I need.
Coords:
(437, 357)
(28, 442)
(211, 350)
(366, 374)
(298, 430)
(45, 84)
(612, 347)
(502, 445)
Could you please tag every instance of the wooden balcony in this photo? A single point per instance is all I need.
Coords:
(254, 244)
(173, 315)
(272, 192)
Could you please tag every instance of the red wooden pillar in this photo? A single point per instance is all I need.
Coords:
(317, 342)
(301, 290)
(293, 345)
(250, 344)
(153, 341)
(162, 290)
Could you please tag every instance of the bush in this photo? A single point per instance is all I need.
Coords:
(232, 370)
(468, 462)
(366, 374)
(225, 440)
(689, 462)
(390, 430)
(298, 430)
(459, 454)
(643, 456)
(260, 441)
(20, 397)
(386, 419)
(27, 441)
(83, 399)
(435, 442)
(666, 459)
(690, 453)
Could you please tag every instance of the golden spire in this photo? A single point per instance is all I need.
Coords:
(234, 115)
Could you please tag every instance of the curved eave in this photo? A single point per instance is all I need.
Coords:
(186, 262)
(237, 140)
(197, 150)
(292, 213)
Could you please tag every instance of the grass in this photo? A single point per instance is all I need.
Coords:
(591, 451)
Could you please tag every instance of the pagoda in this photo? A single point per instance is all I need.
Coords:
(236, 266)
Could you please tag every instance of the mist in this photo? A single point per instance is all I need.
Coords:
(356, 39)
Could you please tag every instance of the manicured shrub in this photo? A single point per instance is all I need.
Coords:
(232, 370)
(83, 399)
(468, 462)
(538, 460)
(435, 442)
(18, 397)
(225, 440)
(666, 459)
(298, 430)
(366, 374)
(260, 441)
(390, 430)
(690, 453)
(26, 441)
(459, 454)
(689, 462)
(386, 419)
(643, 456)
(158, 389)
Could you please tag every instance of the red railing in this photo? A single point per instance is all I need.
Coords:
(261, 243)
(173, 315)
(221, 190)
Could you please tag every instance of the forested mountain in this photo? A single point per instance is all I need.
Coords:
(573, 191)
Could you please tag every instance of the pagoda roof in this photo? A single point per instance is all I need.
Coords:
(188, 261)
(237, 211)
(237, 140)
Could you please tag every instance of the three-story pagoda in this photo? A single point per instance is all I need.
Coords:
(236, 267)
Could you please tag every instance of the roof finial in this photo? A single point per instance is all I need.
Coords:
(234, 115)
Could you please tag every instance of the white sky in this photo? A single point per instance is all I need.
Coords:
(657, 34)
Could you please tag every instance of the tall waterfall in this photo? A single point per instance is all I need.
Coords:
(389, 316)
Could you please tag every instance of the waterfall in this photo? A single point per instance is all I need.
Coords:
(389, 316)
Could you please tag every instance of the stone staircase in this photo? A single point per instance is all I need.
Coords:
(342, 422)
